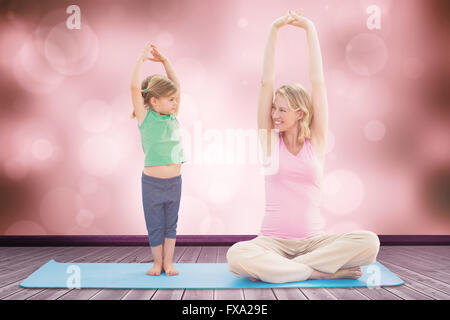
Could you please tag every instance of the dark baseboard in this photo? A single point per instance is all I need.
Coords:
(189, 240)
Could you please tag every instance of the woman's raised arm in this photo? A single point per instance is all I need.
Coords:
(265, 98)
(319, 125)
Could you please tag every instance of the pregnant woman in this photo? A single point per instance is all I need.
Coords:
(291, 245)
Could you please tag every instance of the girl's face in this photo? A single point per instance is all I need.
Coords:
(284, 117)
(165, 105)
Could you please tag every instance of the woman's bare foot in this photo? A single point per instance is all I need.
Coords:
(170, 270)
(349, 273)
(253, 279)
(156, 270)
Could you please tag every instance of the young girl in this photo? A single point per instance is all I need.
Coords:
(156, 102)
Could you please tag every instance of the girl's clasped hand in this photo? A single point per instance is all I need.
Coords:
(156, 55)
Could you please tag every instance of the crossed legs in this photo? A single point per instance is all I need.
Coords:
(284, 260)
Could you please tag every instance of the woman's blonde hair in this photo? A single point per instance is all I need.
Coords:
(298, 99)
(157, 86)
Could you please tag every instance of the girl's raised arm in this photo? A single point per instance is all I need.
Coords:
(319, 125)
(159, 57)
(136, 95)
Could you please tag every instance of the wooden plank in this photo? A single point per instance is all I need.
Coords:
(190, 255)
(419, 282)
(11, 263)
(427, 267)
(24, 259)
(146, 294)
(14, 292)
(407, 290)
(207, 255)
(411, 263)
(318, 294)
(438, 250)
(117, 254)
(259, 294)
(226, 294)
(21, 270)
(10, 252)
(347, 293)
(289, 294)
(378, 293)
(427, 255)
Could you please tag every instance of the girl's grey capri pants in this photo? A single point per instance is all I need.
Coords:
(161, 200)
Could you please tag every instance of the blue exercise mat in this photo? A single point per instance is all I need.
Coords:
(191, 276)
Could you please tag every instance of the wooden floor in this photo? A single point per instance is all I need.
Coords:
(424, 269)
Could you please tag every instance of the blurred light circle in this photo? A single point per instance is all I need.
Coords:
(15, 169)
(42, 149)
(95, 116)
(331, 185)
(99, 202)
(58, 209)
(343, 192)
(71, 51)
(85, 218)
(11, 40)
(242, 23)
(24, 228)
(366, 54)
(374, 130)
(32, 71)
(99, 156)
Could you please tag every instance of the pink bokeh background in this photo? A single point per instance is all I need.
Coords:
(71, 158)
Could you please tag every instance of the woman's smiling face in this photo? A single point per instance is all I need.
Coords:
(283, 116)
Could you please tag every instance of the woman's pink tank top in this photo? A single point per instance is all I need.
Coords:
(294, 195)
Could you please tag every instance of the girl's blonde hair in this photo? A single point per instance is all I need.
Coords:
(157, 86)
(298, 99)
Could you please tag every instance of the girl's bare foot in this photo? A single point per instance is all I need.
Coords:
(170, 270)
(155, 271)
(349, 273)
